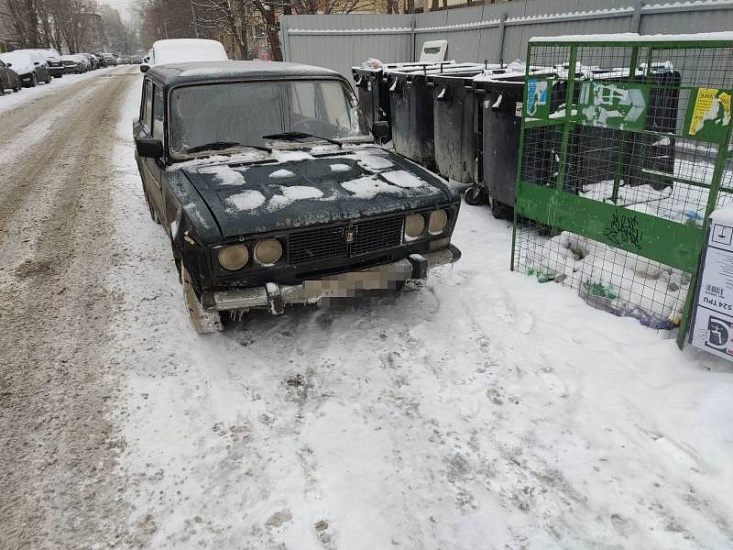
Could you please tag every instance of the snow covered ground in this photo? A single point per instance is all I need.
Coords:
(482, 411)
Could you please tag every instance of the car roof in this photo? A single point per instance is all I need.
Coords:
(207, 71)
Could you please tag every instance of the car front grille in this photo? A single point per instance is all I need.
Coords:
(345, 240)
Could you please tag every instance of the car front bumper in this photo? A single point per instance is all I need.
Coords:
(374, 280)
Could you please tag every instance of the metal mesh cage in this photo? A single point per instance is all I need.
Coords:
(625, 152)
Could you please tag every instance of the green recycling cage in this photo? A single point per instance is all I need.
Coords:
(625, 152)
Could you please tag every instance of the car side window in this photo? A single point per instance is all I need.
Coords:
(158, 113)
(147, 114)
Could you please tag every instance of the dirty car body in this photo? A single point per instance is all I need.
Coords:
(272, 192)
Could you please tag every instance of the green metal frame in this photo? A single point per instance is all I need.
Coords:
(674, 244)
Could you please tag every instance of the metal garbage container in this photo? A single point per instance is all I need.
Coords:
(499, 99)
(412, 107)
(455, 125)
(372, 89)
(372, 94)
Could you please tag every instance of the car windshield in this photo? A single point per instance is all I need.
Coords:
(245, 112)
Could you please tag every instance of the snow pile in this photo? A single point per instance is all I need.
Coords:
(225, 175)
(402, 178)
(340, 168)
(612, 279)
(246, 200)
(293, 193)
(291, 156)
(369, 187)
(372, 159)
(282, 174)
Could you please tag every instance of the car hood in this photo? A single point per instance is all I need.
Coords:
(294, 189)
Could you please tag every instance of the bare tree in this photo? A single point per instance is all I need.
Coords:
(24, 22)
(234, 18)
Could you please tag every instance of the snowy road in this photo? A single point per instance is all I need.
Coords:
(482, 411)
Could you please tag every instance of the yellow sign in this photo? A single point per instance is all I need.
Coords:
(710, 113)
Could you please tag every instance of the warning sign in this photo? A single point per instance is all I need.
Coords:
(708, 115)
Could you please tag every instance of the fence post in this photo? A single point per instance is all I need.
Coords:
(284, 39)
(502, 33)
(636, 17)
(413, 35)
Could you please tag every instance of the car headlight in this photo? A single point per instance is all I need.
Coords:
(414, 226)
(268, 251)
(233, 257)
(438, 222)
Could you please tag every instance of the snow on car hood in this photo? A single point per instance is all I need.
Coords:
(298, 189)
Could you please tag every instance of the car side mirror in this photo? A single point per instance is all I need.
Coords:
(144, 68)
(380, 130)
(149, 148)
(8, 64)
(36, 63)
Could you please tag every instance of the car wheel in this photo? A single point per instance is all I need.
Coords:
(34, 80)
(203, 321)
(48, 79)
(18, 87)
(2, 89)
(475, 195)
(500, 210)
(153, 213)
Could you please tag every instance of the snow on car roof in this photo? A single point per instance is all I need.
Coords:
(177, 73)
(184, 50)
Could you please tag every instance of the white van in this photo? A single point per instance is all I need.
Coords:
(184, 50)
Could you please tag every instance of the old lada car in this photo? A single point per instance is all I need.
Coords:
(272, 191)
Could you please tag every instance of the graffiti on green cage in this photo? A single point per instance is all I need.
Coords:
(624, 229)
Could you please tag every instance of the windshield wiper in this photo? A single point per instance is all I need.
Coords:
(289, 136)
(218, 145)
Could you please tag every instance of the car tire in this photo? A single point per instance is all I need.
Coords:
(34, 80)
(48, 79)
(475, 195)
(203, 321)
(2, 89)
(18, 87)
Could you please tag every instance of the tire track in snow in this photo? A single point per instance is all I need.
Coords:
(33, 157)
(56, 447)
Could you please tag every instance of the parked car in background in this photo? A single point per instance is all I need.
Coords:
(109, 59)
(9, 79)
(30, 66)
(184, 50)
(53, 62)
(75, 64)
(92, 61)
(272, 191)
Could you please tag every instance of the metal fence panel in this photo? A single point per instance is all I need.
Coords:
(488, 32)
(655, 22)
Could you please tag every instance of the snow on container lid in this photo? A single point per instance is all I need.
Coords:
(634, 37)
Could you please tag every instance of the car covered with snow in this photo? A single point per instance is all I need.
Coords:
(183, 50)
(272, 191)
(9, 79)
(30, 66)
